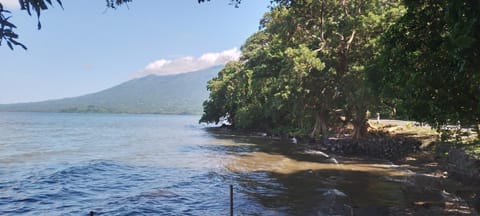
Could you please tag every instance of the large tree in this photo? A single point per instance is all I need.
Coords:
(307, 65)
(429, 67)
(344, 35)
(228, 92)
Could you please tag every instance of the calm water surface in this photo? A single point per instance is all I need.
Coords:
(119, 164)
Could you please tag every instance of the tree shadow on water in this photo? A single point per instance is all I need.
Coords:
(276, 177)
(330, 192)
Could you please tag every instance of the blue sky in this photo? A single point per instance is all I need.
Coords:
(86, 48)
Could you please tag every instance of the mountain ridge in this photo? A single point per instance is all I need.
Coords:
(170, 94)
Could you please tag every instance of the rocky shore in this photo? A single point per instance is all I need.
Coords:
(456, 175)
(389, 148)
(438, 165)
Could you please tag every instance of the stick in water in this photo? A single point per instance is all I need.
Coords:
(231, 200)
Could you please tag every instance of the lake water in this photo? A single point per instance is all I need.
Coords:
(120, 164)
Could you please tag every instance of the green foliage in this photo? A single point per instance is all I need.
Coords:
(303, 69)
(227, 93)
(473, 149)
(88, 109)
(428, 65)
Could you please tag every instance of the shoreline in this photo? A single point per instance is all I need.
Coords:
(413, 148)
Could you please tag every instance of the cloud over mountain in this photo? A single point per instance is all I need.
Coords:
(188, 63)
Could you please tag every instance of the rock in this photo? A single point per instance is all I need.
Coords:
(476, 201)
(384, 148)
(334, 192)
(461, 165)
(335, 202)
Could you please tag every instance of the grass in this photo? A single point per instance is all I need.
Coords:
(473, 149)
(444, 140)
(405, 128)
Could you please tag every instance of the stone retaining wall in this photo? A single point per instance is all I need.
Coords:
(391, 148)
(462, 165)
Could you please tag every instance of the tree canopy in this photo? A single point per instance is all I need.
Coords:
(317, 66)
(428, 65)
(303, 72)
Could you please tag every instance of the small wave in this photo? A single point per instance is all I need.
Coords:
(316, 152)
(112, 188)
(196, 126)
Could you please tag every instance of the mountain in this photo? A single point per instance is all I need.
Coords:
(172, 94)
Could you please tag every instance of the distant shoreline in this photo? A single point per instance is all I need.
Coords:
(128, 113)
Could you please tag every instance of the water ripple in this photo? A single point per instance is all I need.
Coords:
(71, 164)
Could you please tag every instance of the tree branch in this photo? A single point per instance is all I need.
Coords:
(339, 35)
(349, 42)
(344, 3)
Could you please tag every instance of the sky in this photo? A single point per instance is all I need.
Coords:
(85, 47)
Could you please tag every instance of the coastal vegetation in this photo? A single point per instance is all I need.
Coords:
(316, 68)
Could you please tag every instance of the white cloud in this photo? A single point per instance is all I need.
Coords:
(10, 4)
(188, 63)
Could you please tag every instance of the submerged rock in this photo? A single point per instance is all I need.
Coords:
(335, 202)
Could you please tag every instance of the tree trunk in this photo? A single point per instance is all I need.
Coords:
(478, 128)
(360, 125)
(360, 129)
(320, 125)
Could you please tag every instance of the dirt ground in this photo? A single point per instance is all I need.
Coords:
(461, 196)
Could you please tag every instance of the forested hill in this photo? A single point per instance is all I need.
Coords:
(172, 94)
